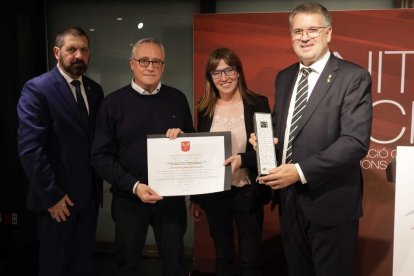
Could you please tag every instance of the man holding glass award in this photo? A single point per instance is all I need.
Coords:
(322, 118)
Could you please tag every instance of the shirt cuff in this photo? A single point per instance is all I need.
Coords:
(301, 175)
(135, 186)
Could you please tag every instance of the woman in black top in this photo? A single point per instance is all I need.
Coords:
(228, 105)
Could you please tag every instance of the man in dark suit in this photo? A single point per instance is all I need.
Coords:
(319, 179)
(56, 124)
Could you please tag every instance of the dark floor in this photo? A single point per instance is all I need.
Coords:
(24, 263)
(105, 266)
(105, 263)
(21, 260)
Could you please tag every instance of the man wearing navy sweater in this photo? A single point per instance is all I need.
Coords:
(119, 155)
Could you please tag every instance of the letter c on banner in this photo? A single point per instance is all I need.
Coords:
(402, 129)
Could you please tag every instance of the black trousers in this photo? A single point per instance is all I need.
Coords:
(66, 248)
(132, 218)
(238, 208)
(314, 250)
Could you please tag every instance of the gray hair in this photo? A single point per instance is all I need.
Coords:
(147, 40)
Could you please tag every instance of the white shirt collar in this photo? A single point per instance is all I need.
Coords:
(142, 91)
(66, 76)
(319, 64)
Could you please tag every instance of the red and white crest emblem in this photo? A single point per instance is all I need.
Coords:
(185, 146)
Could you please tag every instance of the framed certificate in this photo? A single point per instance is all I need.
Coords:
(190, 164)
(265, 151)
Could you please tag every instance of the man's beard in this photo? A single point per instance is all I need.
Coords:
(76, 68)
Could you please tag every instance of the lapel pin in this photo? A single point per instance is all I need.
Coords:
(329, 78)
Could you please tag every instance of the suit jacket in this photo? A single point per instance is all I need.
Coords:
(54, 141)
(256, 103)
(333, 137)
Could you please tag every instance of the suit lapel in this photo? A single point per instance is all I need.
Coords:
(286, 98)
(204, 123)
(91, 104)
(91, 99)
(325, 81)
(65, 92)
(248, 111)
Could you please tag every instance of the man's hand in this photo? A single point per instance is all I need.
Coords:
(146, 194)
(197, 213)
(281, 177)
(173, 133)
(60, 210)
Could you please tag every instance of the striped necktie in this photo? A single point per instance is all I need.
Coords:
(300, 104)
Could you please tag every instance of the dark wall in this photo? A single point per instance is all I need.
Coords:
(23, 56)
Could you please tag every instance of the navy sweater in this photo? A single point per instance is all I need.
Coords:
(125, 118)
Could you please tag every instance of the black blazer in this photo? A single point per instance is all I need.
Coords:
(333, 137)
(256, 103)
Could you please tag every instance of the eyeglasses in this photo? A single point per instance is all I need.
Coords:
(145, 62)
(311, 32)
(229, 71)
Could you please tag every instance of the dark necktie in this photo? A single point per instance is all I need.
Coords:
(79, 98)
(300, 104)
